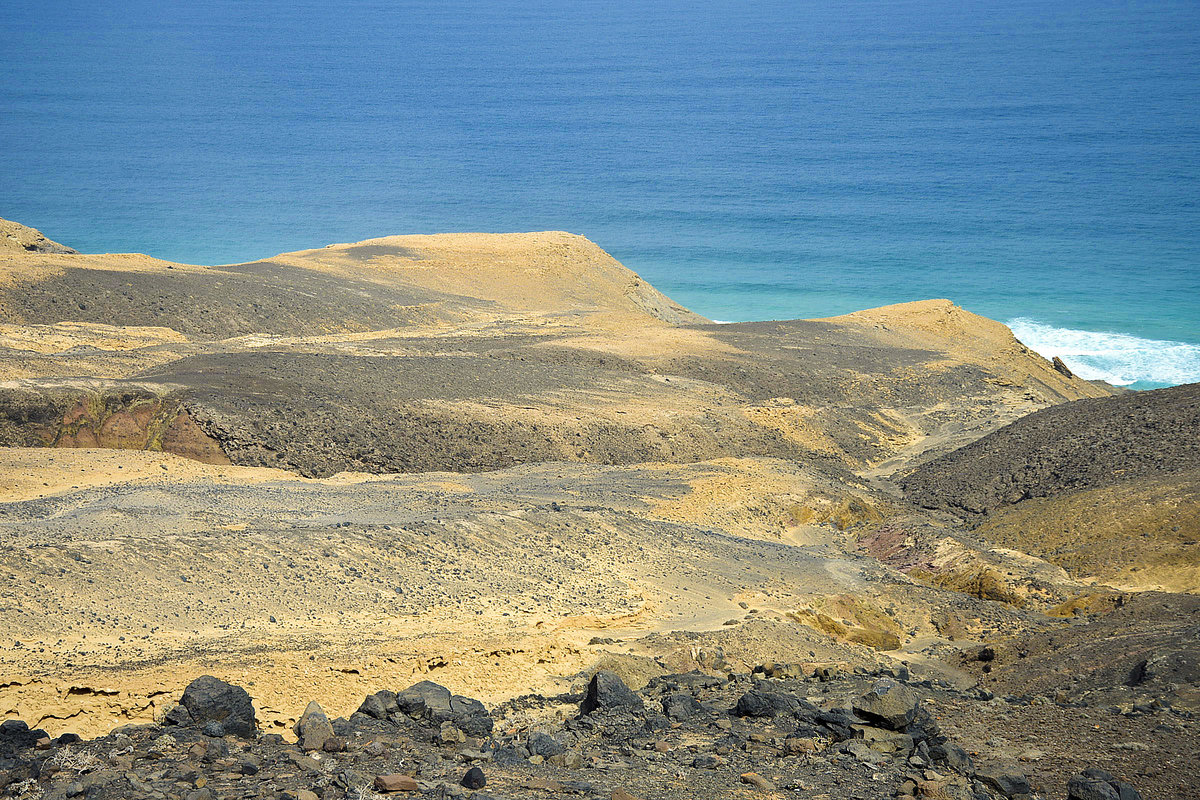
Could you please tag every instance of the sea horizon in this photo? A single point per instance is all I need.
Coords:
(1036, 165)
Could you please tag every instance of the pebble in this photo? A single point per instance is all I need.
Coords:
(757, 781)
(396, 783)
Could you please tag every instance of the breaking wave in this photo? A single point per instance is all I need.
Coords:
(1118, 358)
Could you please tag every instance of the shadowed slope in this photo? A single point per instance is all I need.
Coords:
(1107, 487)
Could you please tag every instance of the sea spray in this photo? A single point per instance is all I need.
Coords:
(1118, 358)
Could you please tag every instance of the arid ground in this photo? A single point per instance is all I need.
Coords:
(503, 461)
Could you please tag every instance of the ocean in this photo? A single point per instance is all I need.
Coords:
(1038, 163)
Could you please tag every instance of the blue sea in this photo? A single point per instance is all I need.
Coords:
(1035, 162)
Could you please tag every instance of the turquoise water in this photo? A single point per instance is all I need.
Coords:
(1036, 162)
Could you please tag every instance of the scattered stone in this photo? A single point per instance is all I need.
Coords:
(474, 779)
(795, 746)
(884, 741)
(811, 751)
(396, 783)
(304, 763)
(544, 785)
(571, 759)
(784, 671)
(757, 781)
(450, 734)
(544, 745)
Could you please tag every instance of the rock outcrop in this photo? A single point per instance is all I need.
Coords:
(211, 701)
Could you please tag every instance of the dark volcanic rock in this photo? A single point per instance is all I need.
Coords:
(434, 704)
(888, 704)
(426, 700)
(179, 715)
(1008, 784)
(263, 297)
(474, 779)
(612, 753)
(470, 716)
(681, 706)
(757, 703)
(1159, 656)
(509, 756)
(380, 705)
(1096, 784)
(208, 699)
(953, 757)
(607, 691)
(544, 745)
(685, 681)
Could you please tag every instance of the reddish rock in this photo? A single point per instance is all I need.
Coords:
(396, 783)
(758, 781)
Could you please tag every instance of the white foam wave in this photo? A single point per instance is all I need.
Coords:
(1118, 358)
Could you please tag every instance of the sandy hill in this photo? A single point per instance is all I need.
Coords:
(478, 351)
(368, 286)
